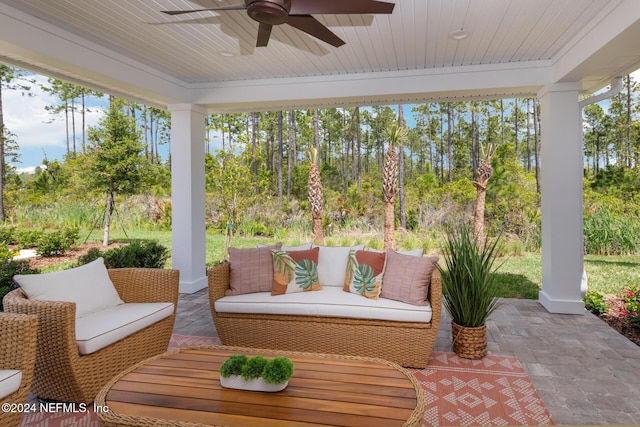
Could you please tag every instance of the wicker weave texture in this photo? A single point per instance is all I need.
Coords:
(469, 343)
(18, 334)
(408, 344)
(61, 373)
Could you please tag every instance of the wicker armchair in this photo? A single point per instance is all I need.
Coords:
(61, 373)
(17, 351)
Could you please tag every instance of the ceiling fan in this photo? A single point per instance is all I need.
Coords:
(297, 13)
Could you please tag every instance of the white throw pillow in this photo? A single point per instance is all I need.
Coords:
(89, 286)
(332, 263)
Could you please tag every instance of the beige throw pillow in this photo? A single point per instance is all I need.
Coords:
(406, 278)
(251, 270)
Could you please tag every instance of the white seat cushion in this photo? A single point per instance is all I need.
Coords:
(100, 329)
(89, 286)
(10, 380)
(330, 302)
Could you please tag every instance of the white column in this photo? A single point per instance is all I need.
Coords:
(561, 186)
(188, 195)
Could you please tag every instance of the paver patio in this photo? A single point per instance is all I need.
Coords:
(585, 371)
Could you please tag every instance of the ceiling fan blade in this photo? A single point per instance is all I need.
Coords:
(331, 7)
(264, 33)
(313, 27)
(213, 9)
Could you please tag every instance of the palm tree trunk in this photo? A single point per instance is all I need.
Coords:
(389, 227)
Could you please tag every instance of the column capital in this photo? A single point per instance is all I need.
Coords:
(559, 87)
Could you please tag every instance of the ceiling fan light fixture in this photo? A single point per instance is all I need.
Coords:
(459, 34)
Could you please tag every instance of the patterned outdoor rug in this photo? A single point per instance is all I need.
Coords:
(494, 391)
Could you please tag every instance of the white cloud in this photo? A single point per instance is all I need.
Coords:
(36, 132)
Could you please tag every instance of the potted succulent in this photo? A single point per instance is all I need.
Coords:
(256, 373)
(469, 290)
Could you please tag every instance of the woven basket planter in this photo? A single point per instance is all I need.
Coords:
(469, 343)
(258, 384)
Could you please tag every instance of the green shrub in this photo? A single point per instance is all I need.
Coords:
(138, 254)
(27, 238)
(8, 235)
(233, 365)
(594, 302)
(57, 242)
(278, 370)
(8, 269)
(253, 368)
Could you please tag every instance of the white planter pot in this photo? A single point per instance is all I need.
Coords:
(258, 384)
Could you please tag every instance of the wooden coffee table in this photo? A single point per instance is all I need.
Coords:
(182, 388)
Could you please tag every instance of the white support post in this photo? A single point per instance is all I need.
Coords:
(562, 172)
(188, 195)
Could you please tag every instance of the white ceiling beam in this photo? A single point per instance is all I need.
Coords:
(442, 84)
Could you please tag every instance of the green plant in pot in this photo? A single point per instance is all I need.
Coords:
(256, 373)
(469, 289)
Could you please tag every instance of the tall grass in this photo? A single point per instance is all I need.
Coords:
(606, 233)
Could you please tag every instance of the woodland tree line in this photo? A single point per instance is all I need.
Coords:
(257, 164)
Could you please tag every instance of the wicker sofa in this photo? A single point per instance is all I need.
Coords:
(61, 372)
(407, 343)
(17, 353)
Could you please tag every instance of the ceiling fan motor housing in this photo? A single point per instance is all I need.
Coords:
(272, 12)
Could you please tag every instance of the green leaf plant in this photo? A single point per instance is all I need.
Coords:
(469, 287)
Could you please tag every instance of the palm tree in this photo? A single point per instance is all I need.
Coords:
(396, 135)
(483, 174)
(316, 199)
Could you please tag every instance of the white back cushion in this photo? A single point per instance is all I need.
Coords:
(88, 286)
(332, 264)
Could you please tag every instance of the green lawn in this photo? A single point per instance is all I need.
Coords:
(519, 276)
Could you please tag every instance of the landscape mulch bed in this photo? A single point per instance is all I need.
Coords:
(611, 317)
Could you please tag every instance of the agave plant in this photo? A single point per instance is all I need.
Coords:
(469, 288)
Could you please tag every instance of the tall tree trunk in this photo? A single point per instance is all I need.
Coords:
(528, 136)
(316, 132)
(290, 152)
(403, 209)
(84, 123)
(73, 123)
(254, 150)
(629, 146)
(107, 217)
(358, 150)
(536, 140)
(2, 151)
(280, 154)
(66, 121)
(449, 143)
